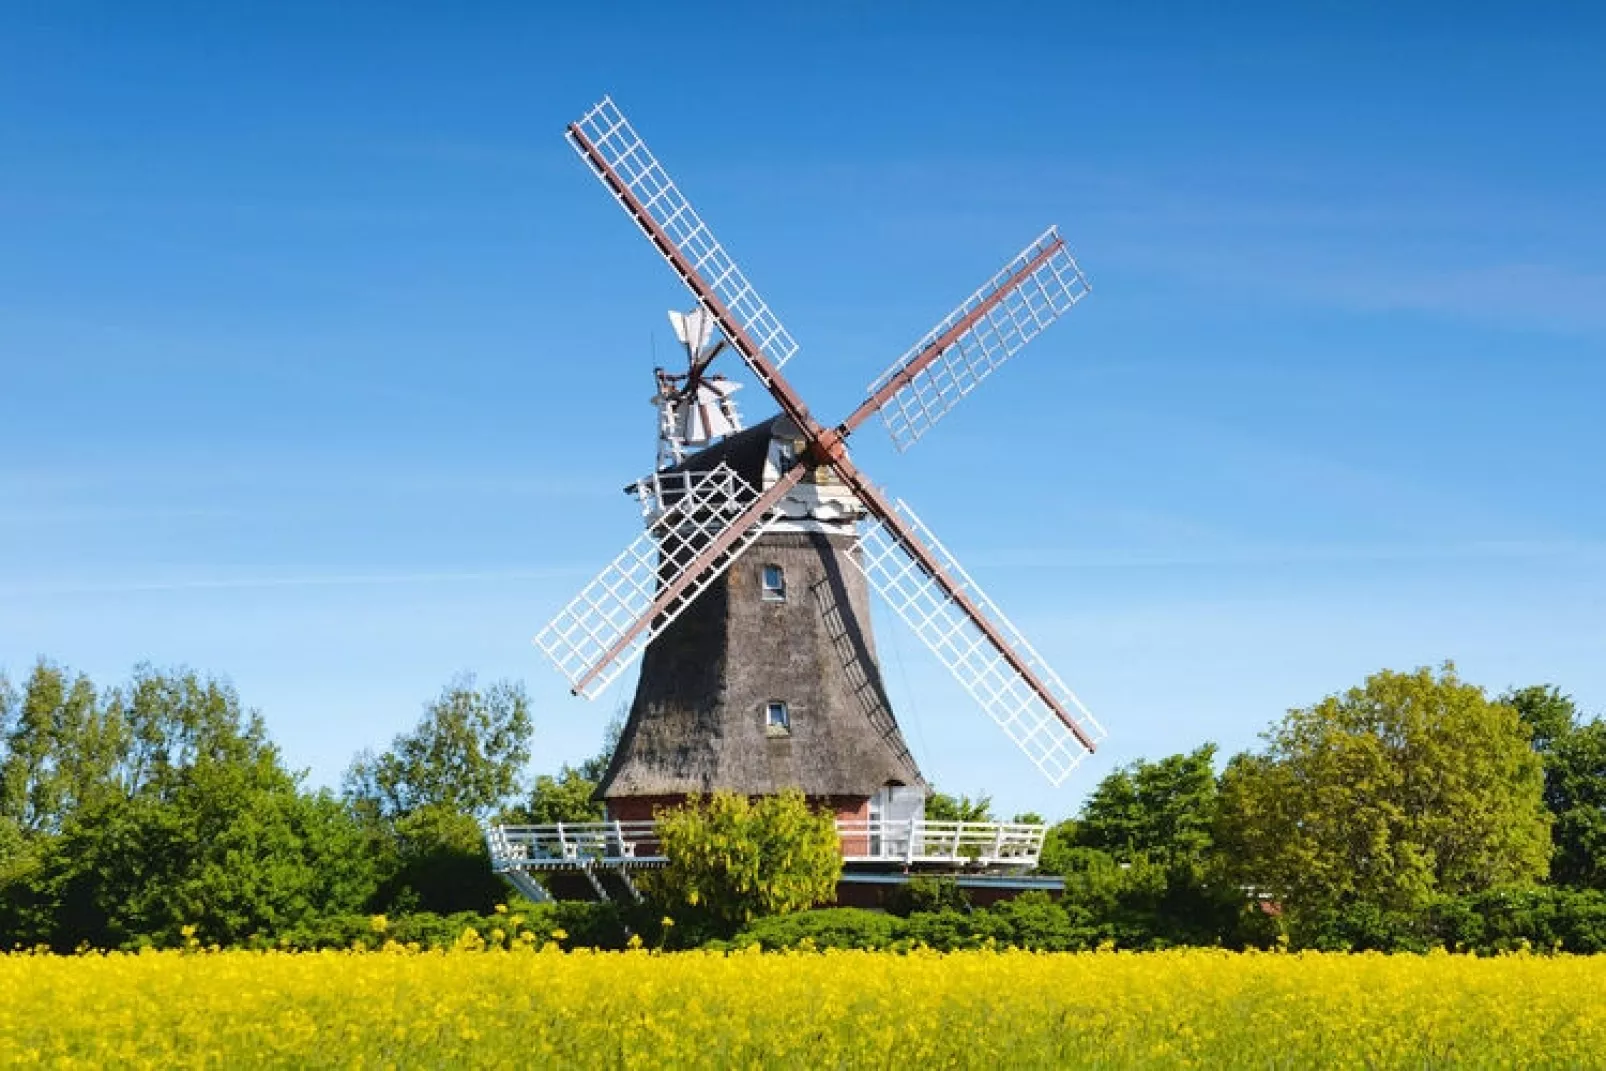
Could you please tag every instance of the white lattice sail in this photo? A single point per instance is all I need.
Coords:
(976, 663)
(1039, 286)
(616, 142)
(603, 613)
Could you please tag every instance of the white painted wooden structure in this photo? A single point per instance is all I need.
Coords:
(612, 850)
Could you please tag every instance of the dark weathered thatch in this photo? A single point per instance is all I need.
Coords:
(698, 722)
(744, 452)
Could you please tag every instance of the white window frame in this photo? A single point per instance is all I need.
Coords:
(769, 593)
(784, 725)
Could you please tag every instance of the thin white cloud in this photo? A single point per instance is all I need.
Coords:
(309, 580)
(1293, 554)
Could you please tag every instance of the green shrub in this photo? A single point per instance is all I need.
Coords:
(733, 859)
(571, 924)
(1542, 919)
(831, 927)
(926, 894)
(1035, 921)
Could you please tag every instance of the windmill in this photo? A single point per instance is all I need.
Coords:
(748, 589)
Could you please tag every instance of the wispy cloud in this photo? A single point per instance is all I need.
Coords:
(1531, 295)
(1290, 554)
(304, 580)
(1414, 243)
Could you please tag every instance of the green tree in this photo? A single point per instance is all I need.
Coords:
(732, 859)
(437, 861)
(1548, 714)
(423, 799)
(566, 797)
(941, 807)
(570, 795)
(1164, 811)
(1140, 859)
(1412, 785)
(1576, 793)
(182, 814)
(60, 749)
(1059, 842)
(1574, 754)
(466, 754)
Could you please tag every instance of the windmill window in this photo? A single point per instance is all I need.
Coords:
(777, 719)
(774, 583)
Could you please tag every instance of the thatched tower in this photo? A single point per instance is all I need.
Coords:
(769, 679)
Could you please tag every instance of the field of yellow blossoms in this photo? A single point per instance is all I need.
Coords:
(996, 1010)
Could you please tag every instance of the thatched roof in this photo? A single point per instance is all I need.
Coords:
(744, 451)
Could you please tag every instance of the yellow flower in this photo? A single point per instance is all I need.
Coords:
(832, 1008)
(378, 923)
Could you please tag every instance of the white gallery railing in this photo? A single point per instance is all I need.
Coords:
(913, 842)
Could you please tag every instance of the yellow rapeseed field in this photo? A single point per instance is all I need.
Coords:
(994, 1010)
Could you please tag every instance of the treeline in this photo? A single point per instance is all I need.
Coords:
(160, 811)
(1411, 812)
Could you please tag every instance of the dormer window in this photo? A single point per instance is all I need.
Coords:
(773, 583)
(777, 719)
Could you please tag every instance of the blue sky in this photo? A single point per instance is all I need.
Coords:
(322, 358)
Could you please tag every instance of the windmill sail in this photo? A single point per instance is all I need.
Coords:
(987, 329)
(607, 141)
(684, 549)
(975, 659)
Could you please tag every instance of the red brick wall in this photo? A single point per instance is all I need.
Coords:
(639, 808)
(855, 809)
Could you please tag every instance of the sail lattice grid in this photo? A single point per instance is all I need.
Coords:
(602, 614)
(618, 145)
(1041, 285)
(944, 627)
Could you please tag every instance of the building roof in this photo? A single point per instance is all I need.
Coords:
(745, 451)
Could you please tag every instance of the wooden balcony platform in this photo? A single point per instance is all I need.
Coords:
(596, 859)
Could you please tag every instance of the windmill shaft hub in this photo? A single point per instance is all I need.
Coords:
(827, 447)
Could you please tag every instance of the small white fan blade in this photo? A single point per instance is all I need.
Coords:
(693, 328)
(713, 411)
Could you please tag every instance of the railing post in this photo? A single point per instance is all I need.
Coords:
(909, 845)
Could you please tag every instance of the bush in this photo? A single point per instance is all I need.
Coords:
(1364, 927)
(1030, 921)
(734, 859)
(831, 927)
(1036, 922)
(1538, 918)
(1508, 920)
(570, 925)
(926, 894)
